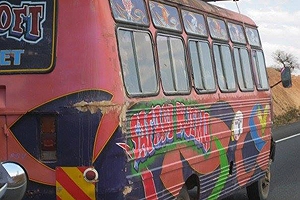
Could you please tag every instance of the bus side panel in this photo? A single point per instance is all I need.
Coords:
(226, 144)
(111, 167)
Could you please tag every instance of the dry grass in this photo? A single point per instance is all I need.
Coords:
(286, 101)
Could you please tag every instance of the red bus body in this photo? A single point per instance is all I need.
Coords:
(78, 133)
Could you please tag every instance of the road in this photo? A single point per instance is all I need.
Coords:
(285, 170)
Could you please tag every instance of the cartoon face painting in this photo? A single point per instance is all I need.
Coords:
(237, 126)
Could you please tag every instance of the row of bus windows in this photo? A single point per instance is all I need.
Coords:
(140, 76)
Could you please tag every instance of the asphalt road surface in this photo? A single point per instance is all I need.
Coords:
(285, 170)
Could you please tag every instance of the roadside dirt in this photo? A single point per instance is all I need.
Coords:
(284, 98)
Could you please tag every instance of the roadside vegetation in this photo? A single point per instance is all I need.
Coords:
(290, 116)
(284, 59)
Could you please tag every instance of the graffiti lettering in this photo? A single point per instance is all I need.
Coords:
(22, 22)
(18, 156)
(193, 124)
(152, 131)
(10, 57)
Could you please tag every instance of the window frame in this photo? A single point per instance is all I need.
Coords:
(195, 33)
(224, 34)
(256, 73)
(120, 19)
(175, 91)
(168, 7)
(227, 89)
(141, 93)
(201, 67)
(245, 89)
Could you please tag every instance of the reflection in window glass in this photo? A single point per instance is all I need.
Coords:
(243, 69)
(137, 61)
(224, 67)
(145, 62)
(260, 69)
(165, 64)
(202, 66)
(172, 65)
(179, 65)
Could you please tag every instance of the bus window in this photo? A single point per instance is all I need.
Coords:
(172, 65)
(202, 66)
(217, 28)
(243, 69)
(260, 69)
(224, 67)
(165, 16)
(236, 33)
(194, 23)
(253, 37)
(137, 61)
(132, 12)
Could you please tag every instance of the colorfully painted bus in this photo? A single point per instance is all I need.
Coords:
(131, 99)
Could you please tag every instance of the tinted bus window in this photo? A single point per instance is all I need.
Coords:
(243, 69)
(137, 61)
(260, 69)
(172, 65)
(224, 67)
(202, 66)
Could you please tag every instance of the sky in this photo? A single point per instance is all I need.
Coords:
(278, 24)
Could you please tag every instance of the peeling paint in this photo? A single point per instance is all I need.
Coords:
(123, 115)
(93, 107)
(127, 190)
(123, 112)
(105, 107)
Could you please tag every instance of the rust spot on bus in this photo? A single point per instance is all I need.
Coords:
(104, 106)
(127, 190)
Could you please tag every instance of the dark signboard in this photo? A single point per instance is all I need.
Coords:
(27, 36)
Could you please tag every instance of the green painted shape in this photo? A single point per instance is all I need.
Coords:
(224, 171)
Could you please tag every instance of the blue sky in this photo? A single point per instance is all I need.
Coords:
(278, 23)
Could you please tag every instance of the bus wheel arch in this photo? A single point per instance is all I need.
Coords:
(183, 194)
(259, 190)
(190, 184)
